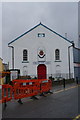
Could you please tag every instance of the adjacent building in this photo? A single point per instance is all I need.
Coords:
(1, 69)
(3, 73)
(77, 50)
(79, 24)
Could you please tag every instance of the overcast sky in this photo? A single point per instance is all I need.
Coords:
(18, 17)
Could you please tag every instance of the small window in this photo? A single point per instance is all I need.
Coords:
(41, 34)
(58, 71)
(57, 54)
(25, 55)
(25, 70)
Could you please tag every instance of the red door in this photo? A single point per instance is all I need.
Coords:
(41, 71)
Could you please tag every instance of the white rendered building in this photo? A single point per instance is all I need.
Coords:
(42, 52)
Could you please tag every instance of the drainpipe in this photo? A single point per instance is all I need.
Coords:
(12, 56)
(69, 59)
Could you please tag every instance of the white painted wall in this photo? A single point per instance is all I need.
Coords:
(50, 42)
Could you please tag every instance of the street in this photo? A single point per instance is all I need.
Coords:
(60, 104)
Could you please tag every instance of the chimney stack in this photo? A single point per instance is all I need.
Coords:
(66, 35)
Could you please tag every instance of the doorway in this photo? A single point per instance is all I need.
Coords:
(41, 71)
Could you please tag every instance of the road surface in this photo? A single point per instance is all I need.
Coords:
(60, 104)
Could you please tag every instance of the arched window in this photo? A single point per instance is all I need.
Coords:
(58, 71)
(25, 55)
(57, 54)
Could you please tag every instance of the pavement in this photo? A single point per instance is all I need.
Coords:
(63, 103)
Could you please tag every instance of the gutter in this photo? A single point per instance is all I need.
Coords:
(69, 59)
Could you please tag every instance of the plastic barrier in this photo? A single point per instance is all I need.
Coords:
(27, 88)
(46, 86)
(6, 93)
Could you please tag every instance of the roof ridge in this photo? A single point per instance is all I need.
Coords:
(34, 28)
(56, 33)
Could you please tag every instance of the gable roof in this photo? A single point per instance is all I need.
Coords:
(34, 28)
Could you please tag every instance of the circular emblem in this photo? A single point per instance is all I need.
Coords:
(41, 54)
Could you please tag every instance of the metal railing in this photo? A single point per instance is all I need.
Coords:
(54, 76)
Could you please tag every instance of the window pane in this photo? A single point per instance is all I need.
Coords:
(25, 55)
(41, 34)
(57, 54)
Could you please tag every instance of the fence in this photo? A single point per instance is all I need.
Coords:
(6, 93)
(25, 88)
(58, 75)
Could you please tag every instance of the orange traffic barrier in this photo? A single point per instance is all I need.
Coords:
(27, 88)
(46, 86)
(6, 93)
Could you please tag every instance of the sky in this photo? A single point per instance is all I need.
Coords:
(19, 17)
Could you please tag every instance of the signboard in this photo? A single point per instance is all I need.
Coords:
(14, 75)
(42, 62)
